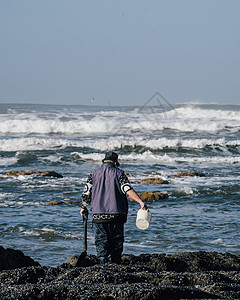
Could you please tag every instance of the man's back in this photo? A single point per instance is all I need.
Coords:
(107, 196)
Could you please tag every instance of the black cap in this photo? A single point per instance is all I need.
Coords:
(111, 156)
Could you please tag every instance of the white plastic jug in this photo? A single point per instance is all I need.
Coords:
(143, 219)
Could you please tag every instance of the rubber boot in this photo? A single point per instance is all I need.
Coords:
(116, 258)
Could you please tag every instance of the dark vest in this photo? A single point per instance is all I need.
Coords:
(107, 197)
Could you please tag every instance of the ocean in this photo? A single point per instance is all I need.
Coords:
(157, 139)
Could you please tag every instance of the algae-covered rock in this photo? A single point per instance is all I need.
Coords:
(47, 173)
(152, 196)
(189, 173)
(57, 202)
(154, 181)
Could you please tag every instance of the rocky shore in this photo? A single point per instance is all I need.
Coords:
(187, 275)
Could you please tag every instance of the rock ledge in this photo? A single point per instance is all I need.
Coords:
(187, 275)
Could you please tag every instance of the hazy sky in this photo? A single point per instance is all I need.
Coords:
(119, 52)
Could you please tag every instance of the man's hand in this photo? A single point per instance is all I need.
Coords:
(84, 211)
(144, 206)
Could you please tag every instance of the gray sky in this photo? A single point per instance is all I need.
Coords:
(119, 52)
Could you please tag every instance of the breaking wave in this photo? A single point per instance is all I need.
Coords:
(184, 119)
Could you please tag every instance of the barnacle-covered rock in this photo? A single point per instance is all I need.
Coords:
(185, 275)
(152, 196)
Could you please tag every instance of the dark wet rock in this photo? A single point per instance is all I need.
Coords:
(152, 196)
(51, 174)
(189, 173)
(12, 259)
(48, 173)
(154, 181)
(187, 275)
(57, 202)
(187, 261)
(73, 260)
(86, 261)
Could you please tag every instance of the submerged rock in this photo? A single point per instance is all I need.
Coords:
(48, 173)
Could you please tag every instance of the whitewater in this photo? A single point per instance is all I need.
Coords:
(200, 213)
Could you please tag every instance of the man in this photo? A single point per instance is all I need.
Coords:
(106, 190)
